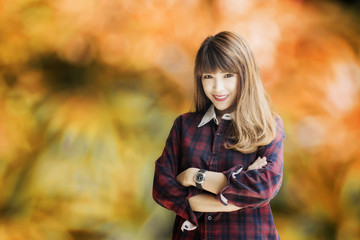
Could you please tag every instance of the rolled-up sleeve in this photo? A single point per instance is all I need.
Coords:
(166, 190)
(254, 188)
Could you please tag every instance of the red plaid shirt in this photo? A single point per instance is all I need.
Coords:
(192, 145)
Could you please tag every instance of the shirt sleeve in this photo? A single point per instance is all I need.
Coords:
(166, 190)
(255, 188)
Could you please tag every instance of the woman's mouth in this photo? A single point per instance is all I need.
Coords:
(220, 98)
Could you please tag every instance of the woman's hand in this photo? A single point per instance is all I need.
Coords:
(259, 163)
(186, 178)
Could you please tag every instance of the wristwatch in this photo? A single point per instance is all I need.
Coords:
(199, 178)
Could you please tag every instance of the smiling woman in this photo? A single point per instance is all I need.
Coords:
(222, 163)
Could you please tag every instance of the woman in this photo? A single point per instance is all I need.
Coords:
(222, 163)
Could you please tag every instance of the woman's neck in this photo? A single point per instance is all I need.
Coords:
(219, 113)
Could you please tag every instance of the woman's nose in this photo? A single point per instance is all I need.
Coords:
(218, 84)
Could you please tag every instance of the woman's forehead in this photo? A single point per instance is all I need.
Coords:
(217, 71)
(217, 67)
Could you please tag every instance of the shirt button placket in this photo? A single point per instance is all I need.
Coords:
(215, 150)
(209, 227)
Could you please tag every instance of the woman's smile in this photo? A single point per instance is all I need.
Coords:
(220, 98)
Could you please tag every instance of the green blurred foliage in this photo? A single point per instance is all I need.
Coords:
(89, 91)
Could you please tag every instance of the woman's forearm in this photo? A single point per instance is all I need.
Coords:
(207, 203)
(215, 182)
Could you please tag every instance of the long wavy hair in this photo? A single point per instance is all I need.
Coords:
(253, 120)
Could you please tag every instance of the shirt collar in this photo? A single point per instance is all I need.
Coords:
(211, 114)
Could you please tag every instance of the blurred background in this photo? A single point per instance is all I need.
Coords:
(89, 91)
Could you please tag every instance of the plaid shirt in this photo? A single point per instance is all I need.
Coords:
(191, 144)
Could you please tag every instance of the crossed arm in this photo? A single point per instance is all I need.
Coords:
(214, 183)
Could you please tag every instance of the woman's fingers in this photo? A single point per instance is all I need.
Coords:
(262, 162)
(259, 163)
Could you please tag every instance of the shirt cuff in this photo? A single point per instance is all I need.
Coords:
(223, 199)
(188, 226)
(234, 173)
(231, 173)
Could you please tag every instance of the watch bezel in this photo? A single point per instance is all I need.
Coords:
(198, 184)
(197, 176)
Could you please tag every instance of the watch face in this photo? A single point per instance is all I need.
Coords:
(199, 178)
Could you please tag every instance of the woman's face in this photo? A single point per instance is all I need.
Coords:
(221, 89)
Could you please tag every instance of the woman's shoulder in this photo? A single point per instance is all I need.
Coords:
(189, 118)
(279, 125)
(278, 120)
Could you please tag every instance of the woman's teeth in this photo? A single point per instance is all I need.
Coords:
(220, 97)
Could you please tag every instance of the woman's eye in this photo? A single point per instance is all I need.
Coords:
(207, 76)
(229, 75)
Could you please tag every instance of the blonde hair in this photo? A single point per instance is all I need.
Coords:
(253, 121)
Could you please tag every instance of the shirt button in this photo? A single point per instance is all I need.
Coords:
(218, 134)
(209, 218)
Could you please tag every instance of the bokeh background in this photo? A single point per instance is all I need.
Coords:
(89, 91)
